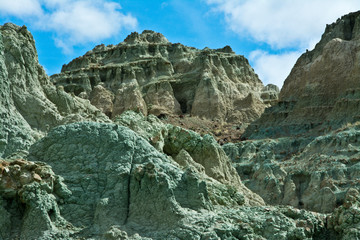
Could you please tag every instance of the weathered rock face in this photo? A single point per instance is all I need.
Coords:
(270, 94)
(306, 150)
(164, 78)
(189, 148)
(310, 173)
(345, 219)
(29, 103)
(158, 181)
(322, 89)
(29, 194)
(123, 188)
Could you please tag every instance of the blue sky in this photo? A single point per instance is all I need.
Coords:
(272, 34)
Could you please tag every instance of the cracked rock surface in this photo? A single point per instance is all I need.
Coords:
(30, 103)
(162, 78)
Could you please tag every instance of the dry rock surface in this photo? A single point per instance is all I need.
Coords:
(304, 150)
(322, 91)
(30, 103)
(147, 73)
(69, 172)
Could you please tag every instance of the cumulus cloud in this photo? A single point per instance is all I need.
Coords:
(285, 23)
(20, 8)
(74, 22)
(289, 25)
(273, 68)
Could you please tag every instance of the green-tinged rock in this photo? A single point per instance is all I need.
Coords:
(124, 188)
(310, 173)
(118, 178)
(29, 103)
(189, 149)
(345, 220)
(29, 196)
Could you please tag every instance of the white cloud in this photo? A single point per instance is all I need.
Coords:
(74, 22)
(283, 25)
(273, 68)
(84, 21)
(286, 23)
(20, 8)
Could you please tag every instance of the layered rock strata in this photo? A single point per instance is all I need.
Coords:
(304, 150)
(147, 73)
(321, 93)
(29, 103)
(91, 180)
(313, 174)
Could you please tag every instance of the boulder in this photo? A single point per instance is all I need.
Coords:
(29, 196)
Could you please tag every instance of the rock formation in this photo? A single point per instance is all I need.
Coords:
(29, 194)
(135, 177)
(189, 148)
(122, 186)
(313, 174)
(29, 103)
(322, 90)
(147, 73)
(304, 151)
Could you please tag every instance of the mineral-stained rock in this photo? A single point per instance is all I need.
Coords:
(322, 89)
(345, 219)
(123, 188)
(270, 94)
(28, 202)
(102, 99)
(29, 103)
(186, 146)
(306, 147)
(165, 78)
(310, 173)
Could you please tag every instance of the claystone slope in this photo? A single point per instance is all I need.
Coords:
(149, 74)
(322, 91)
(29, 103)
(305, 150)
(138, 178)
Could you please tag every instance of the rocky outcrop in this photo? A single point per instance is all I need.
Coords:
(149, 74)
(122, 187)
(345, 219)
(30, 104)
(29, 196)
(309, 173)
(311, 158)
(270, 94)
(138, 178)
(188, 148)
(321, 93)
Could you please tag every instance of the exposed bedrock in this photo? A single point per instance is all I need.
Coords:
(148, 74)
(309, 173)
(29, 103)
(123, 188)
(322, 91)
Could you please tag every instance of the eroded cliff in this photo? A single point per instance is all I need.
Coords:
(30, 104)
(149, 74)
(321, 93)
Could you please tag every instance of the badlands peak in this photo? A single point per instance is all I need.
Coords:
(148, 74)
